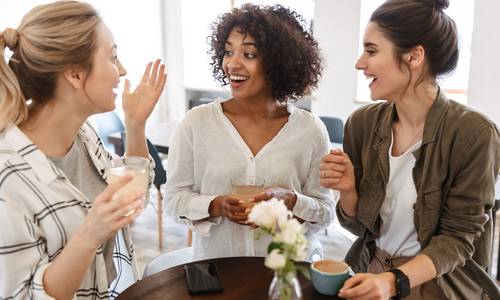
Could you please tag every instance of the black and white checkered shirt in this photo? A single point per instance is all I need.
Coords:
(40, 210)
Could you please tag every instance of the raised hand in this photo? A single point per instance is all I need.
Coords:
(139, 104)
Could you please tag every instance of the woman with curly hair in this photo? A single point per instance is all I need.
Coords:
(267, 58)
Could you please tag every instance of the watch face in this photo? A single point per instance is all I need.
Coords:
(404, 287)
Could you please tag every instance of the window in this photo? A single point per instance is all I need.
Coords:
(455, 85)
(303, 7)
(195, 30)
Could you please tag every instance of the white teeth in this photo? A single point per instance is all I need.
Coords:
(238, 77)
(371, 77)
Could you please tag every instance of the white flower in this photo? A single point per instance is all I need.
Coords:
(275, 260)
(291, 229)
(267, 213)
(300, 252)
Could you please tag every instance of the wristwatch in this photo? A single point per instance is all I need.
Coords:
(402, 284)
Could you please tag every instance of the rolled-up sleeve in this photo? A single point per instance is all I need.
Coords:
(315, 204)
(464, 213)
(23, 259)
(183, 203)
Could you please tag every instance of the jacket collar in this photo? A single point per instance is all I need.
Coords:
(434, 118)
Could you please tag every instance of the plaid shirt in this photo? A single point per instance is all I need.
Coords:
(40, 210)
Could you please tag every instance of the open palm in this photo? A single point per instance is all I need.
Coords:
(139, 103)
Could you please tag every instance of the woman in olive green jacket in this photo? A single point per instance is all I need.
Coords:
(417, 176)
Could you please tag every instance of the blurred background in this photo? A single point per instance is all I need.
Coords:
(177, 31)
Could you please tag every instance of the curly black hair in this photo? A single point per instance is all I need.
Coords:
(290, 55)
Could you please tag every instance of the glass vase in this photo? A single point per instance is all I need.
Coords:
(285, 287)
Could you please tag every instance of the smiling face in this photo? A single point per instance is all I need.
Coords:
(105, 73)
(243, 67)
(379, 63)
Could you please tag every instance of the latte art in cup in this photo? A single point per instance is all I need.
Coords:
(328, 275)
(330, 266)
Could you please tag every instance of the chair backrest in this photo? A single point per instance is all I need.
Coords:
(160, 172)
(108, 123)
(169, 260)
(335, 128)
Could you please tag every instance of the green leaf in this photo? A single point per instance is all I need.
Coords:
(274, 245)
(304, 270)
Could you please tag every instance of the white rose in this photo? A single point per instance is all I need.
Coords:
(290, 231)
(275, 260)
(300, 252)
(267, 213)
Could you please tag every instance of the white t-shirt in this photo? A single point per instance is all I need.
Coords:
(398, 234)
(207, 152)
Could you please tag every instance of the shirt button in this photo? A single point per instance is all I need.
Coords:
(387, 260)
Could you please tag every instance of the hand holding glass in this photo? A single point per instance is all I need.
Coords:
(136, 166)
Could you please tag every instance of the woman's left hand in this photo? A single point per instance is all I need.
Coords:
(139, 104)
(369, 286)
(288, 196)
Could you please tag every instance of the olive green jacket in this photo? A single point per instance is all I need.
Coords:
(454, 174)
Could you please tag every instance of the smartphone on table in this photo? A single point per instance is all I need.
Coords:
(202, 278)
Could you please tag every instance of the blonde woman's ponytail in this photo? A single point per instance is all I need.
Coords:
(13, 108)
(49, 38)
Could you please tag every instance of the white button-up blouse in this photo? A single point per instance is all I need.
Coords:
(207, 152)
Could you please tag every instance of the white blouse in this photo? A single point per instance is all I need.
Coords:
(207, 152)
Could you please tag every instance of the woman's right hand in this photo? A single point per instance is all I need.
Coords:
(109, 215)
(337, 172)
(229, 207)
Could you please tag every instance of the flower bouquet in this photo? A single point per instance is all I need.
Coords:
(288, 245)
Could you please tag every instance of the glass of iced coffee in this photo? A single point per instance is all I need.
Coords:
(136, 166)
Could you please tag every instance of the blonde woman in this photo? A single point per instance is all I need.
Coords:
(59, 227)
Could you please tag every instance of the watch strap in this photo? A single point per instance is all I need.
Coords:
(402, 284)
